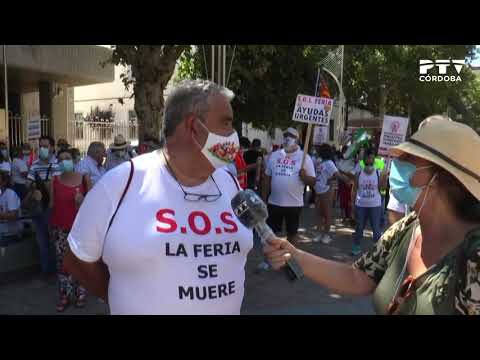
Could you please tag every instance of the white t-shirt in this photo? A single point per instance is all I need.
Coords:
(165, 255)
(368, 195)
(19, 166)
(287, 187)
(395, 205)
(324, 171)
(9, 201)
(232, 169)
(5, 166)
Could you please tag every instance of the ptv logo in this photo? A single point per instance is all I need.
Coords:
(442, 65)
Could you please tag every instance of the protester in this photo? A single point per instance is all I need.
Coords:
(287, 179)
(76, 156)
(174, 245)
(20, 170)
(345, 188)
(67, 192)
(5, 164)
(62, 144)
(9, 208)
(251, 157)
(118, 153)
(92, 164)
(326, 171)
(149, 144)
(368, 201)
(428, 262)
(37, 199)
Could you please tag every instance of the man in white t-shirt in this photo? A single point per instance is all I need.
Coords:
(286, 180)
(174, 245)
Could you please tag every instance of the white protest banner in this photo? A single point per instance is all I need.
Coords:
(320, 135)
(34, 128)
(393, 133)
(313, 110)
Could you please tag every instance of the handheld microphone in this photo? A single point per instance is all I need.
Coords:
(252, 212)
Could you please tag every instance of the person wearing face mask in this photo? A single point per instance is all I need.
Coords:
(5, 164)
(37, 199)
(366, 196)
(93, 164)
(427, 263)
(118, 153)
(164, 238)
(10, 227)
(20, 170)
(287, 180)
(326, 172)
(67, 192)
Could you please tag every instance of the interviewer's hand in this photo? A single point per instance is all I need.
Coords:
(278, 251)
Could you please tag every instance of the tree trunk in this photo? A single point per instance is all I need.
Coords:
(152, 69)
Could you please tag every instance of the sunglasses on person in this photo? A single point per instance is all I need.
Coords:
(404, 293)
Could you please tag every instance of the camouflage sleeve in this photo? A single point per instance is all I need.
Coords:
(375, 262)
(468, 300)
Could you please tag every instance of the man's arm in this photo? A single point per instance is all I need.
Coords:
(93, 276)
(307, 180)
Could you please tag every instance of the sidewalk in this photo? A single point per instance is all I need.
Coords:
(267, 293)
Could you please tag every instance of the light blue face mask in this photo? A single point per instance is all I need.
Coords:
(401, 172)
(43, 153)
(66, 166)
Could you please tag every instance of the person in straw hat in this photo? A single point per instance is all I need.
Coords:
(118, 152)
(428, 262)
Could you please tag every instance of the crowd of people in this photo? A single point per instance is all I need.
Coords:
(156, 234)
(45, 188)
(358, 185)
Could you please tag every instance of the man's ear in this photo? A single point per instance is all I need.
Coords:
(190, 124)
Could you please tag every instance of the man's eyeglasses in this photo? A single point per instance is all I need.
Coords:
(198, 197)
(192, 196)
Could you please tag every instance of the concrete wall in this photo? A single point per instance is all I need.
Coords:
(62, 112)
(72, 64)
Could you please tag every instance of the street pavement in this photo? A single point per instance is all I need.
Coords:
(266, 293)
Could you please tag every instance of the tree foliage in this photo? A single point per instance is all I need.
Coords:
(151, 68)
(265, 78)
(368, 67)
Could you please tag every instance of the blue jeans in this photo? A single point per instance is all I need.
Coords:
(47, 255)
(362, 215)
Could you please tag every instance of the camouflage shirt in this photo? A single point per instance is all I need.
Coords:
(375, 263)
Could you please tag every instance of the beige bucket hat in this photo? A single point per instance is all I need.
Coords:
(453, 146)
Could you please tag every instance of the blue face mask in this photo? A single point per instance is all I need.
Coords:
(401, 173)
(66, 166)
(43, 153)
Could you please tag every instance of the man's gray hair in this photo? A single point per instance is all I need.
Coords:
(95, 147)
(190, 96)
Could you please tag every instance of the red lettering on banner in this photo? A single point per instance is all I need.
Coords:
(234, 227)
(164, 220)
(206, 220)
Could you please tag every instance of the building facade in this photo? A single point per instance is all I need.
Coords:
(40, 81)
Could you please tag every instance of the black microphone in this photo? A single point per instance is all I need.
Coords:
(252, 212)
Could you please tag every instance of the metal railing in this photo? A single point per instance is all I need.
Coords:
(83, 132)
(17, 129)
